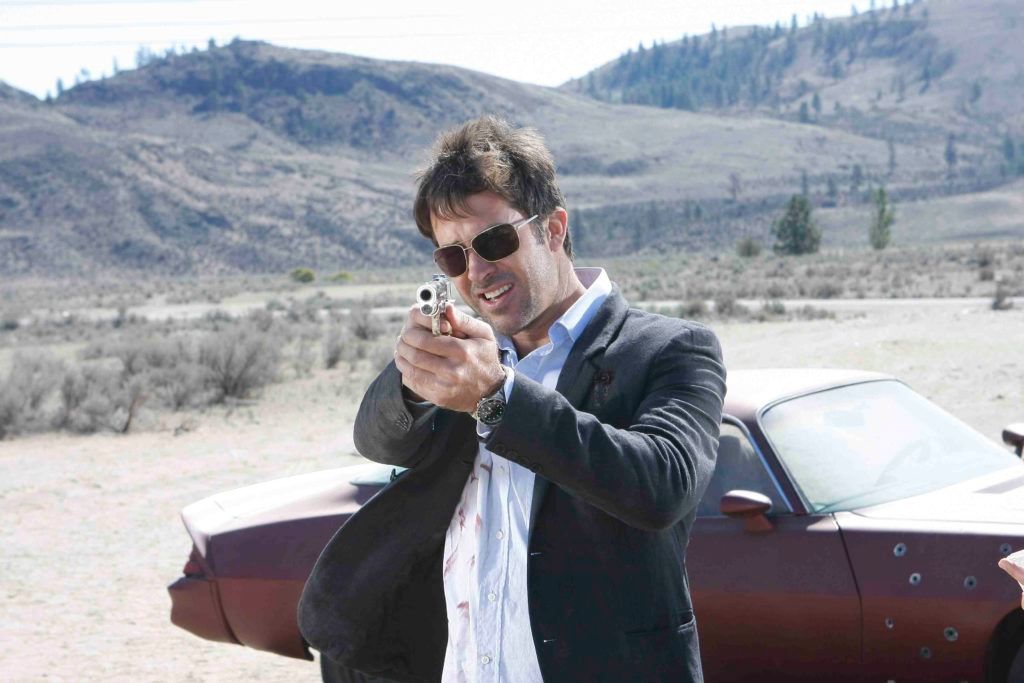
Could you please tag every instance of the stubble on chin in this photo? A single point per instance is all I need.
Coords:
(508, 327)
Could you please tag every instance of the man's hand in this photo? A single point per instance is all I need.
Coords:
(1014, 566)
(455, 371)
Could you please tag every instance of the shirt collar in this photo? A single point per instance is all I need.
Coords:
(570, 326)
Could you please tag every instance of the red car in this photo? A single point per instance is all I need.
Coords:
(851, 532)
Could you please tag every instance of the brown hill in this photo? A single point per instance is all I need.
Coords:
(252, 157)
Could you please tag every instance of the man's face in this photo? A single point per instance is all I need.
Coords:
(512, 293)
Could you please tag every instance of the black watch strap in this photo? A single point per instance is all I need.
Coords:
(490, 409)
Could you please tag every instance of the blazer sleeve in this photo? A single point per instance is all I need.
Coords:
(649, 474)
(388, 429)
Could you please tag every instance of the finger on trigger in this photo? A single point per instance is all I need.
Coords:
(452, 317)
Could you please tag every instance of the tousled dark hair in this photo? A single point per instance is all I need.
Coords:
(488, 154)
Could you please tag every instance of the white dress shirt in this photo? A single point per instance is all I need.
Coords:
(485, 548)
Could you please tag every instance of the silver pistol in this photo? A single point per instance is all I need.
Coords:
(433, 298)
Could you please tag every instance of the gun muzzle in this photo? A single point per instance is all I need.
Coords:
(428, 297)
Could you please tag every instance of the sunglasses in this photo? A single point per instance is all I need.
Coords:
(492, 244)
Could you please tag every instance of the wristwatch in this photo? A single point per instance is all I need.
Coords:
(490, 409)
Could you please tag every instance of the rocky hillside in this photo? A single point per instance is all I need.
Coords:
(251, 157)
(905, 71)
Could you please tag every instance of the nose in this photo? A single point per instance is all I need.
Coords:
(477, 268)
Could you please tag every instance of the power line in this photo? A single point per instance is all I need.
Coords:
(300, 39)
(226, 22)
(90, 3)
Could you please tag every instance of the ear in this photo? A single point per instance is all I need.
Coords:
(557, 228)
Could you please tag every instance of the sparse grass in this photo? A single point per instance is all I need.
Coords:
(110, 368)
(898, 272)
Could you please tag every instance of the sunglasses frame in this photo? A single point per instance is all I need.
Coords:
(465, 250)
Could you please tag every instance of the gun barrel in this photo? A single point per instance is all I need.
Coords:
(427, 295)
(432, 298)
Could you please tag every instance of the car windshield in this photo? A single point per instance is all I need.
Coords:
(875, 442)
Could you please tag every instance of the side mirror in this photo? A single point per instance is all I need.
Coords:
(1013, 435)
(750, 506)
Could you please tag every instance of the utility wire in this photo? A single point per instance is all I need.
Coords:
(90, 3)
(226, 22)
(275, 40)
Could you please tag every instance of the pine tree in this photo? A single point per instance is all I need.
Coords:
(856, 178)
(1009, 149)
(735, 186)
(950, 155)
(805, 116)
(795, 232)
(832, 191)
(879, 233)
(816, 104)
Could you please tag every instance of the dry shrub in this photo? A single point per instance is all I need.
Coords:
(725, 304)
(695, 309)
(305, 354)
(334, 346)
(748, 247)
(240, 361)
(380, 355)
(1001, 301)
(777, 290)
(808, 312)
(180, 387)
(95, 398)
(825, 289)
(363, 324)
(29, 382)
(10, 320)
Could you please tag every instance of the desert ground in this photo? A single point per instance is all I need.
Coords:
(91, 533)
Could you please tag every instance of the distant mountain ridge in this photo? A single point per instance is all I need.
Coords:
(906, 71)
(11, 94)
(252, 157)
(313, 98)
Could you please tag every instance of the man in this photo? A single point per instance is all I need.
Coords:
(557, 447)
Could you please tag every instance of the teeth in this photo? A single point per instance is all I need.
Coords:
(496, 293)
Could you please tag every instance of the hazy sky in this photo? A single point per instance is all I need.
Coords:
(537, 41)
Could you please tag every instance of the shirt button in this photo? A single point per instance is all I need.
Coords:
(485, 660)
(492, 596)
(500, 535)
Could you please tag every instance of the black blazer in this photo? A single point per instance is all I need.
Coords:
(622, 450)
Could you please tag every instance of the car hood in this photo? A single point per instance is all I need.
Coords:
(996, 498)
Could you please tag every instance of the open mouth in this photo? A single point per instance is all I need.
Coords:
(496, 294)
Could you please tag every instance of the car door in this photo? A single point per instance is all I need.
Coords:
(780, 604)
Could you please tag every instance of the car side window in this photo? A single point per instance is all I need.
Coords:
(738, 467)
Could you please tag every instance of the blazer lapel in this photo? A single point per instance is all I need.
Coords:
(577, 376)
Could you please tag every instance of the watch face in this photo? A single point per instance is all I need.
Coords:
(491, 410)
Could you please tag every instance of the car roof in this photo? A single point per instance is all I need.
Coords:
(750, 390)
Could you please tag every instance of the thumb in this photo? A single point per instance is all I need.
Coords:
(467, 327)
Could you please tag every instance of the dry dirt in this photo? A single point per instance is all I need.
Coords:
(91, 534)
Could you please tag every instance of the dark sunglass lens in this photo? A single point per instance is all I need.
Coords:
(496, 243)
(451, 260)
